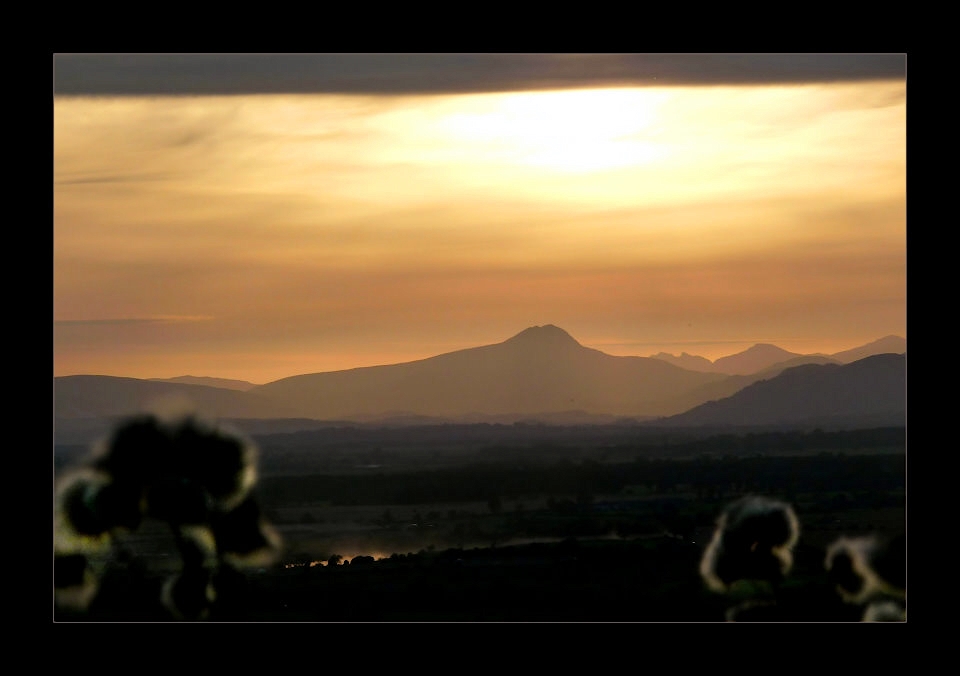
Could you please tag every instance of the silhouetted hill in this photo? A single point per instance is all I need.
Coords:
(763, 358)
(868, 392)
(541, 370)
(779, 367)
(752, 360)
(225, 383)
(731, 384)
(105, 396)
(887, 344)
(686, 361)
(542, 374)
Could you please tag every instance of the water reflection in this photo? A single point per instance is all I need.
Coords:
(380, 554)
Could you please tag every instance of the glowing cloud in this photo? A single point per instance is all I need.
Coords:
(329, 225)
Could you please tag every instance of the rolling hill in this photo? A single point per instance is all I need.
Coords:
(225, 383)
(106, 396)
(864, 393)
(541, 374)
(540, 370)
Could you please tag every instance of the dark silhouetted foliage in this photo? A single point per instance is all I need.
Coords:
(193, 476)
(751, 554)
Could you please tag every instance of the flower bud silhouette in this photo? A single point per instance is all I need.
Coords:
(83, 505)
(177, 500)
(136, 451)
(753, 540)
(86, 508)
(193, 475)
(866, 567)
(189, 594)
(222, 462)
(243, 537)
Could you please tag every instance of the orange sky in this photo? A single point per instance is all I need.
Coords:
(263, 236)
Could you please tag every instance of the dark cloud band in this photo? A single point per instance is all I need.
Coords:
(393, 74)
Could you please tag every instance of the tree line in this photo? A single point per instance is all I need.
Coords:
(784, 475)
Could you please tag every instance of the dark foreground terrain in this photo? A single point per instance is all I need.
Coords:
(481, 526)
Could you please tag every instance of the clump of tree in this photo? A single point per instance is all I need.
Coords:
(194, 476)
(751, 555)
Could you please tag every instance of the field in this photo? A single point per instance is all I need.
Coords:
(555, 528)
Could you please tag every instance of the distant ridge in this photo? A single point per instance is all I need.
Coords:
(540, 374)
(756, 358)
(686, 361)
(887, 344)
(106, 396)
(867, 392)
(540, 371)
(764, 356)
(225, 383)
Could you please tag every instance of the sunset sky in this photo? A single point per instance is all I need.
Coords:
(262, 216)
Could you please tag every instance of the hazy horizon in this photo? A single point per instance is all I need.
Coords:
(601, 349)
(391, 208)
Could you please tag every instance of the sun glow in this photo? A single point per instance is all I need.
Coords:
(259, 237)
(570, 131)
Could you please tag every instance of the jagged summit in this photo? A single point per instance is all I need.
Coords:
(548, 334)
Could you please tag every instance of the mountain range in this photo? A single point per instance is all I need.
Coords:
(764, 355)
(543, 374)
(867, 392)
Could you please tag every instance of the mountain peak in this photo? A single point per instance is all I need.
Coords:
(548, 334)
(765, 347)
(753, 359)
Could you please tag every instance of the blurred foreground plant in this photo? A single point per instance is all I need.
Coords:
(192, 475)
(870, 572)
(751, 550)
(751, 554)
